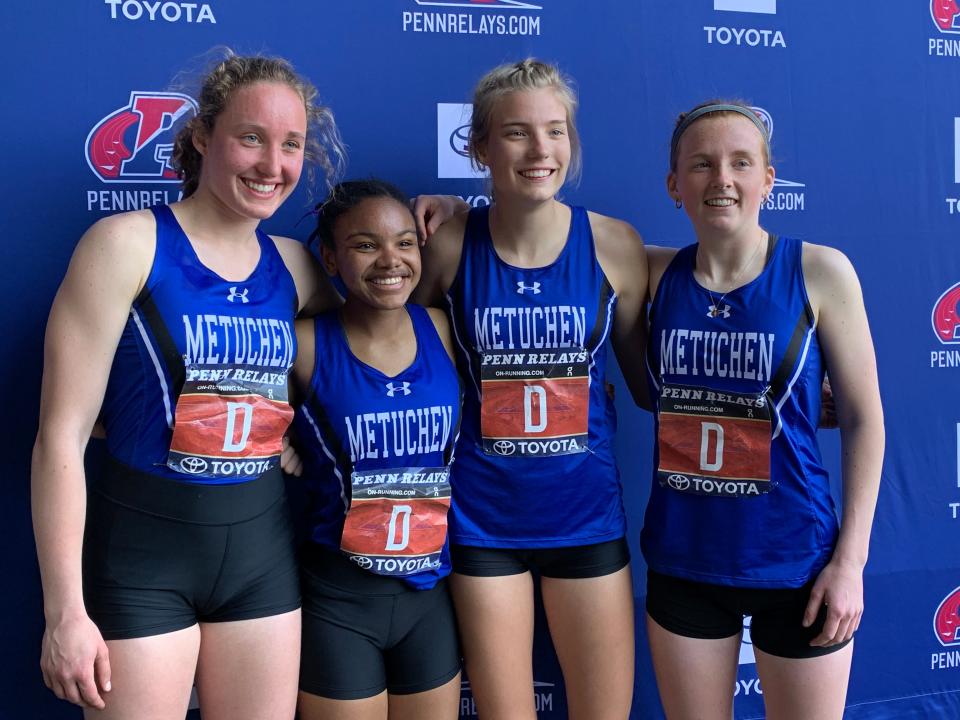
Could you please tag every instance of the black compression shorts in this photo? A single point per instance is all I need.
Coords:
(579, 561)
(365, 633)
(706, 611)
(161, 555)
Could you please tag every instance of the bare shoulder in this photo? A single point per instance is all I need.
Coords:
(822, 261)
(293, 252)
(828, 275)
(658, 258)
(135, 231)
(621, 254)
(121, 246)
(315, 293)
(614, 236)
(442, 324)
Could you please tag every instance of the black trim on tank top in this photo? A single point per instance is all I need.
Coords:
(781, 378)
(472, 359)
(168, 348)
(606, 292)
(341, 457)
(448, 453)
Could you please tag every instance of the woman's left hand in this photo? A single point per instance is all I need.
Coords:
(839, 589)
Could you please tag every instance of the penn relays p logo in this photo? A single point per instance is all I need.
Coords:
(946, 621)
(946, 15)
(483, 4)
(946, 316)
(134, 143)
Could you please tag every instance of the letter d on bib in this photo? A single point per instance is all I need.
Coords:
(528, 392)
(403, 512)
(708, 428)
(232, 409)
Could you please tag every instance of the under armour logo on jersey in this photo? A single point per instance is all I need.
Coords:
(535, 288)
(234, 295)
(402, 388)
(714, 311)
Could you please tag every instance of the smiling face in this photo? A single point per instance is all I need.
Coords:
(528, 147)
(253, 157)
(721, 175)
(375, 252)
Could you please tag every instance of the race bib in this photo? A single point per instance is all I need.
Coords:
(397, 521)
(230, 421)
(534, 404)
(713, 442)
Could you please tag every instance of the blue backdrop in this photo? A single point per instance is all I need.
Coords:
(864, 104)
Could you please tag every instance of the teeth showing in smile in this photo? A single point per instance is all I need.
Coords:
(721, 202)
(260, 187)
(534, 174)
(387, 281)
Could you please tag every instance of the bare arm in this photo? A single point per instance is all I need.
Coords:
(304, 365)
(108, 269)
(290, 460)
(624, 262)
(844, 335)
(441, 257)
(442, 324)
(315, 291)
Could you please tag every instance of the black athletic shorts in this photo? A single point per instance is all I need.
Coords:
(712, 612)
(579, 561)
(365, 633)
(161, 555)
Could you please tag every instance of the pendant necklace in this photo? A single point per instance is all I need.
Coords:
(717, 308)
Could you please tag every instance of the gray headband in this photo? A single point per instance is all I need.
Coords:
(691, 117)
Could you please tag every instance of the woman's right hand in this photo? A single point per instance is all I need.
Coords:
(75, 661)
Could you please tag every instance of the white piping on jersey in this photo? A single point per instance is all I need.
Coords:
(603, 336)
(466, 354)
(156, 364)
(796, 374)
(323, 446)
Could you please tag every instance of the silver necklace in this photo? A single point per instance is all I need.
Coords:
(717, 308)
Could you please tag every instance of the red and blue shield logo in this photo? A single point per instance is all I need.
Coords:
(946, 317)
(946, 622)
(946, 15)
(133, 144)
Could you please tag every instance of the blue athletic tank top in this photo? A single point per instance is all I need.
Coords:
(535, 465)
(197, 391)
(740, 495)
(356, 425)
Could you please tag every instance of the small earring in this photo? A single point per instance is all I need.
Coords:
(679, 204)
(763, 199)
